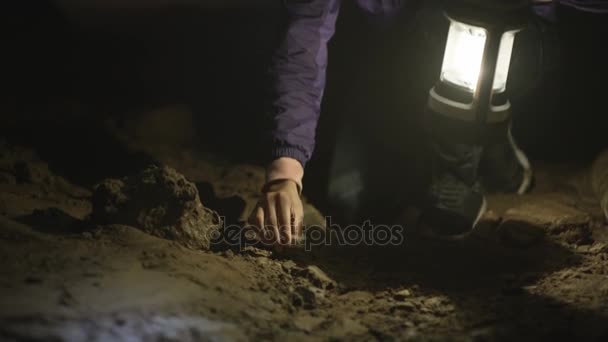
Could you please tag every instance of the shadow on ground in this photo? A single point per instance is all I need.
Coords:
(490, 286)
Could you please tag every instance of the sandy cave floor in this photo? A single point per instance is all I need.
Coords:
(65, 278)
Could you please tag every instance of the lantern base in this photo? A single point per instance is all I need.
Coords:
(439, 125)
(455, 103)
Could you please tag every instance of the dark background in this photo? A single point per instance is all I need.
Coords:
(70, 64)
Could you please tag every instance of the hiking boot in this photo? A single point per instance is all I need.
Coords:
(505, 168)
(454, 208)
(455, 200)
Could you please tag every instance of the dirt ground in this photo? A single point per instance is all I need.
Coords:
(536, 269)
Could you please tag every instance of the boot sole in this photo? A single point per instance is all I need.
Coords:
(482, 210)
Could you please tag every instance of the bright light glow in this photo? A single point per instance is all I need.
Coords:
(463, 55)
(504, 60)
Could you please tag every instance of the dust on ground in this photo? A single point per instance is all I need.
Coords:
(536, 269)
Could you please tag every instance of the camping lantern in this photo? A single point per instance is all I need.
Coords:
(473, 80)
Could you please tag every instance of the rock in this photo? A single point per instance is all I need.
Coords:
(528, 223)
(228, 254)
(403, 294)
(434, 307)
(308, 296)
(289, 266)
(256, 252)
(318, 278)
(598, 248)
(435, 302)
(159, 201)
(569, 274)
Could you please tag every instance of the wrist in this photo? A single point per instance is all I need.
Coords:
(285, 168)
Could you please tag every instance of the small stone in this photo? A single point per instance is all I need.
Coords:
(288, 266)
(587, 269)
(308, 296)
(598, 248)
(569, 273)
(403, 294)
(256, 252)
(425, 310)
(262, 260)
(319, 278)
(408, 324)
(435, 301)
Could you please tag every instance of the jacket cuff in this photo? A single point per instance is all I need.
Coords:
(290, 152)
(285, 168)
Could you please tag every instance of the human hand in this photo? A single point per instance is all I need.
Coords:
(278, 215)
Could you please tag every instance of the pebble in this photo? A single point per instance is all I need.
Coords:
(308, 297)
(317, 277)
(598, 248)
(403, 294)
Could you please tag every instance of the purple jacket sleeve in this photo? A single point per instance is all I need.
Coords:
(299, 76)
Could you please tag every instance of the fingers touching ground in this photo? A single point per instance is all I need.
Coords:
(278, 215)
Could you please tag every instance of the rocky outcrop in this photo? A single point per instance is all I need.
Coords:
(159, 201)
(527, 223)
